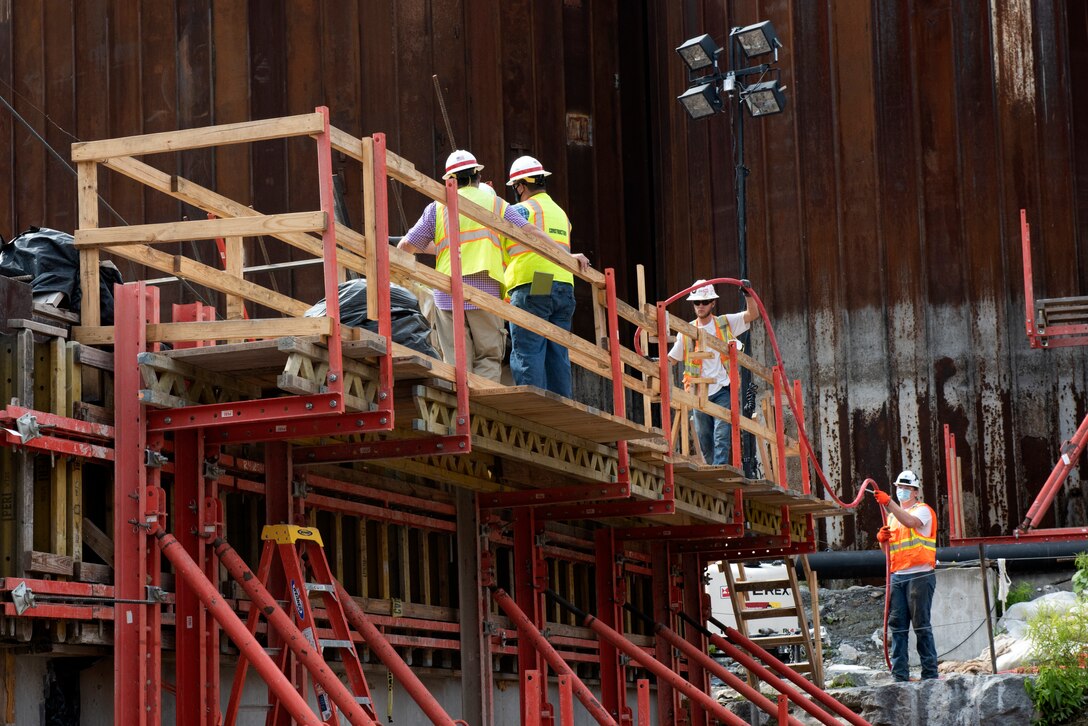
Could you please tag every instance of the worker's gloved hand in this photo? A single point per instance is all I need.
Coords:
(745, 286)
(883, 535)
(881, 498)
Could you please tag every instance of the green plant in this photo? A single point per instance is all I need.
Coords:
(1060, 648)
(1080, 578)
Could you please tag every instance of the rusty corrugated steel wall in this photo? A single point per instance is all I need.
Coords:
(882, 206)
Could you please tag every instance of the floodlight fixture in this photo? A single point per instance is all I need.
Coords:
(699, 53)
(758, 39)
(765, 99)
(701, 101)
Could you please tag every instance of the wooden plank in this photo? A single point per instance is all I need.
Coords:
(221, 330)
(99, 542)
(210, 277)
(308, 124)
(161, 362)
(233, 265)
(58, 476)
(253, 226)
(92, 572)
(41, 328)
(87, 195)
(554, 411)
(47, 563)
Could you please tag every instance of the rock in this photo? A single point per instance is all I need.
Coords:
(848, 654)
(954, 701)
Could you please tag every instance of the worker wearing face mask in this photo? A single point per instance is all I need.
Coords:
(911, 536)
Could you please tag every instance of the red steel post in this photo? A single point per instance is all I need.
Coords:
(248, 646)
(388, 655)
(661, 585)
(692, 572)
(610, 597)
(530, 579)
(781, 668)
(133, 698)
(695, 655)
(783, 711)
(806, 483)
(1070, 455)
(643, 702)
(566, 701)
(191, 645)
(734, 405)
(1029, 285)
(528, 630)
(953, 504)
(677, 681)
(293, 638)
(532, 687)
(780, 427)
(381, 231)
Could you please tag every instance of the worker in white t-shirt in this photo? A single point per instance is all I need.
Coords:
(714, 434)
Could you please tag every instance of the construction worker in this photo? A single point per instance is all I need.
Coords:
(538, 285)
(911, 536)
(482, 265)
(714, 434)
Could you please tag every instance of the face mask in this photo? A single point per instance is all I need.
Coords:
(903, 494)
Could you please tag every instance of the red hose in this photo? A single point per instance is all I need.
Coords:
(801, 434)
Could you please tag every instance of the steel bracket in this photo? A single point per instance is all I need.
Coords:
(28, 427)
(23, 597)
(154, 459)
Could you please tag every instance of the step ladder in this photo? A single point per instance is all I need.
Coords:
(792, 607)
(300, 552)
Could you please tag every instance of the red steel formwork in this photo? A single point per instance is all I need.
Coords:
(195, 435)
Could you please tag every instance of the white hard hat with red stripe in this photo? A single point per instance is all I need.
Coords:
(526, 167)
(460, 160)
(702, 292)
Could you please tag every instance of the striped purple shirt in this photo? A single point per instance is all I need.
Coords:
(422, 234)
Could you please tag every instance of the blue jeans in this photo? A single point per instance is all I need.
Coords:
(715, 435)
(535, 360)
(911, 598)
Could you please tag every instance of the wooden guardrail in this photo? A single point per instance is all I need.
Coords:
(356, 252)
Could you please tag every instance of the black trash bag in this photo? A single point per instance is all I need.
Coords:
(410, 328)
(51, 260)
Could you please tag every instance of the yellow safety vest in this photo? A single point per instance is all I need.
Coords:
(523, 262)
(908, 547)
(694, 368)
(481, 248)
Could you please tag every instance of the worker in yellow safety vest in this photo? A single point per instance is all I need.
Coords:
(714, 434)
(538, 285)
(483, 264)
(911, 536)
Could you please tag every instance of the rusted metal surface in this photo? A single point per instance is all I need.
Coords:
(882, 205)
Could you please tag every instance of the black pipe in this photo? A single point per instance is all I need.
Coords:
(1020, 557)
(582, 614)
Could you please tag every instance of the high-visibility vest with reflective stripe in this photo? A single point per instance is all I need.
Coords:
(523, 263)
(694, 368)
(481, 248)
(909, 548)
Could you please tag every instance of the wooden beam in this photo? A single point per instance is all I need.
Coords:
(219, 330)
(87, 199)
(253, 226)
(99, 542)
(200, 138)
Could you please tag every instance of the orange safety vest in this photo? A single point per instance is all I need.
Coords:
(909, 548)
(694, 368)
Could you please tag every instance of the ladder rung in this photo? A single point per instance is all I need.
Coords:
(753, 585)
(337, 644)
(764, 613)
(319, 587)
(802, 667)
(773, 641)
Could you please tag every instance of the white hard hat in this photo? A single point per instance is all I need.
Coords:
(460, 160)
(702, 292)
(907, 478)
(526, 167)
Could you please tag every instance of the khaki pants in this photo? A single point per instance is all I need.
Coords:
(485, 338)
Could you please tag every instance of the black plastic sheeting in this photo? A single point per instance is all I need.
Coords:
(51, 260)
(410, 328)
